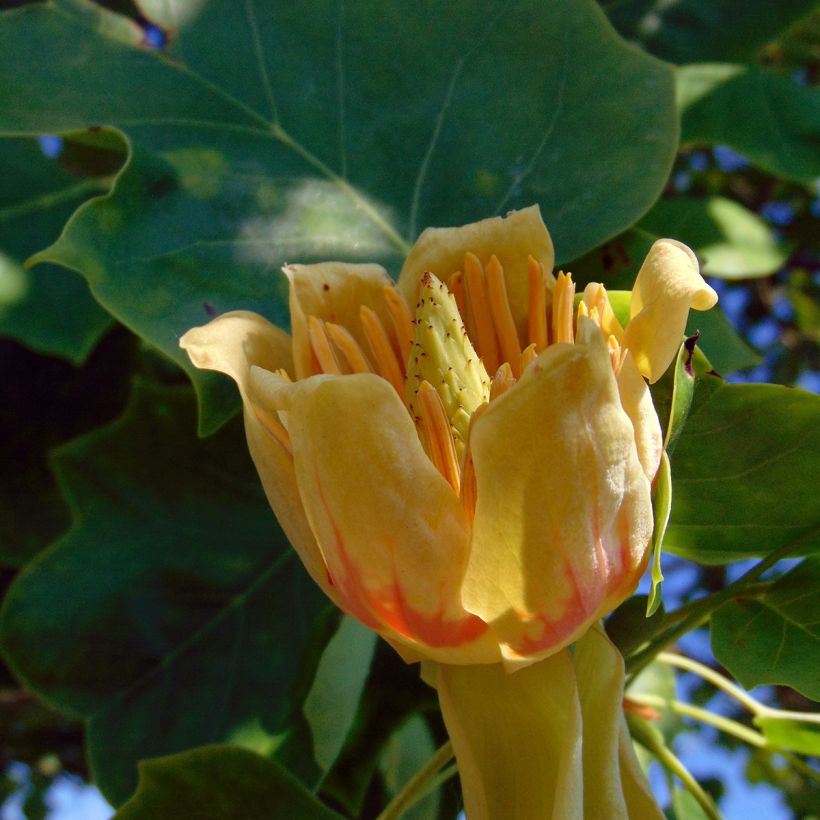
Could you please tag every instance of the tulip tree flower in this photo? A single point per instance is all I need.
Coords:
(464, 461)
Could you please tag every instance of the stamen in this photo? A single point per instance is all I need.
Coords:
(283, 374)
(502, 315)
(402, 323)
(615, 354)
(503, 381)
(528, 356)
(273, 426)
(321, 346)
(479, 307)
(349, 347)
(438, 434)
(469, 488)
(562, 304)
(456, 285)
(537, 317)
(380, 347)
(582, 311)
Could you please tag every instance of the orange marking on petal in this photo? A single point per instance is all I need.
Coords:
(381, 348)
(275, 427)
(502, 315)
(320, 344)
(479, 307)
(438, 434)
(349, 348)
(402, 323)
(537, 315)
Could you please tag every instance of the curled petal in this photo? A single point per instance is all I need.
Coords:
(392, 531)
(233, 344)
(333, 292)
(637, 402)
(511, 239)
(563, 514)
(668, 285)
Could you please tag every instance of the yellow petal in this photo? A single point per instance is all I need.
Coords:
(517, 739)
(392, 531)
(333, 292)
(667, 286)
(613, 787)
(233, 344)
(563, 514)
(512, 239)
(637, 402)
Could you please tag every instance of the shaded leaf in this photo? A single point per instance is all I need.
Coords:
(48, 309)
(295, 132)
(744, 470)
(704, 30)
(732, 242)
(774, 638)
(661, 504)
(181, 612)
(720, 342)
(219, 783)
(770, 120)
(331, 704)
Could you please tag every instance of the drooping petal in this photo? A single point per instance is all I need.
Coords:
(517, 739)
(613, 787)
(512, 239)
(333, 292)
(668, 285)
(637, 402)
(563, 514)
(392, 531)
(232, 344)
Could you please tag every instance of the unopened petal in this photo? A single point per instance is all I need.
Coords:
(234, 344)
(563, 514)
(392, 531)
(512, 239)
(333, 292)
(517, 739)
(668, 285)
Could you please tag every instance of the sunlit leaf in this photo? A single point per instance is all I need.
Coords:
(796, 735)
(744, 471)
(775, 638)
(661, 505)
(174, 613)
(298, 131)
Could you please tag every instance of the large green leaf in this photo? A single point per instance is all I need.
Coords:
(744, 472)
(48, 309)
(299, 131)
(771, 120)
(220, 783)
(732, 242)
(174, 612)
(775, 638)
(699, 30)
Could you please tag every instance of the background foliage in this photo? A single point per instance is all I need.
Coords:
(161, 165)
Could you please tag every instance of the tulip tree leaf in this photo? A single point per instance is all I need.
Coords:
(219, 783)
(773, 639)
(799, 736)
(769, 119)
(731, 241)
(267, 133)
(48, 309)
(174, 613)
(744, 471)
(330, 706)
(719, 341)
(703, 30)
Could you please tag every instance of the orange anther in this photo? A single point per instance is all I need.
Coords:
(502, 315)
(349, 348)
(438, 434)
(537, 315)
(382, 350)
(321, 346)
(479, 306)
